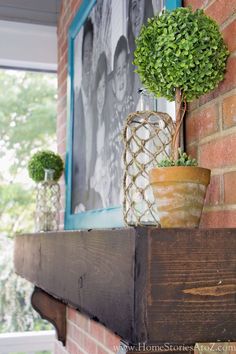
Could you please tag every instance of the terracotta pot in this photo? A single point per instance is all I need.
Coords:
(179, 194)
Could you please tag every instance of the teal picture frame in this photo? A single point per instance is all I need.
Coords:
(98, 218)
(172, 4)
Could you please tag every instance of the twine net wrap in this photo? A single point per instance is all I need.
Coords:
(47, 206)
(147, 139)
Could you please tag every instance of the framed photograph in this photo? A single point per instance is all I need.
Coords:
(102, 91)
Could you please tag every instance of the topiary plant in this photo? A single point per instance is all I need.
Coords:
(42, 160)
(180, 55)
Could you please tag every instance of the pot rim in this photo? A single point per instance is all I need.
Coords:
(178, 174)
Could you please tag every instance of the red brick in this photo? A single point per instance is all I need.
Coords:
(213, 196)
(202, 124)
(61, 104)
(71, 314)
(221, 10)
(101, 350)
(61, 33)
(218, 153)
(195, 4)
(227, 84)
(82, 321)
(112, 341)
(61, 147)
(229, 34)
(66, 12)
(73, 332)
(230, 187)
(64, 46)
(191, 106)
(192, 151)
(97, 331)
(62, 117)
(62, 90)
(69, 20)
(60, 68)
(62, 76)
(75, 6)
(61, 133)
(215, 219)
(89, 345)
(63, 59)
(229, 111)
(72, 347)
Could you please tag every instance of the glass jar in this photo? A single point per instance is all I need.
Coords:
(147, 138)
(47, 203)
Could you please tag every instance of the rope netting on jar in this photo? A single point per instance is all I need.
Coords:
(47, 206)
(147, 140)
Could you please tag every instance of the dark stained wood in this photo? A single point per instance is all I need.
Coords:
(93, 271)
(51, 310)
(141, 286)
(147, 285)
(192, 286)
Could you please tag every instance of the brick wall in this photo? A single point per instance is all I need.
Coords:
(211, 125)
(85, 336)
(210, 136)
(68, 11)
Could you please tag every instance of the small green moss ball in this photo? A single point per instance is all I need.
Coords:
(180, 49)
(42, 160)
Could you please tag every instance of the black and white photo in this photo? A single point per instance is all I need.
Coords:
(105, 92)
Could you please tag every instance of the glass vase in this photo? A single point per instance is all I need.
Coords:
(47, 204)
(147, 139)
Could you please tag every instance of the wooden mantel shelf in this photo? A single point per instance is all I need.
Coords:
(147, 285)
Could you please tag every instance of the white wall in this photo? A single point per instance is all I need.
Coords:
(28, 46)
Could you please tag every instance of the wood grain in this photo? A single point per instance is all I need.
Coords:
(192, 285)
(152, 286)
(92, 271)
(51, 310)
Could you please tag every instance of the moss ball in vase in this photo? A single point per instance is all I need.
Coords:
(45, 168)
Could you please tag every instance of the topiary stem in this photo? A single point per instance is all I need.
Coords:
(179, 118)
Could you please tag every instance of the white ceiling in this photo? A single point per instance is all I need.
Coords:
(28, 36)
(43, 12)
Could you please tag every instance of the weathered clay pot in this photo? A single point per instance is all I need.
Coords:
(179, 193)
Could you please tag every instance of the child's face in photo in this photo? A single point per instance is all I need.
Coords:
(101, 91)
(120, 79)
(137, 14)
(87, 55)
(98, 12)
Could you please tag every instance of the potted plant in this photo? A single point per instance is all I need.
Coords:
(45, 168)
(180, 55)
(43, 161)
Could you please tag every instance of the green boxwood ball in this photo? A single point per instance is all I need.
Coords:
(42, 160)
(180, 49)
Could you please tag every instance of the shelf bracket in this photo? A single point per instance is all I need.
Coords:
(51, 310)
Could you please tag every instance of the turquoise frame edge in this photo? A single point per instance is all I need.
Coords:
(100, 218)
(172, 4)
